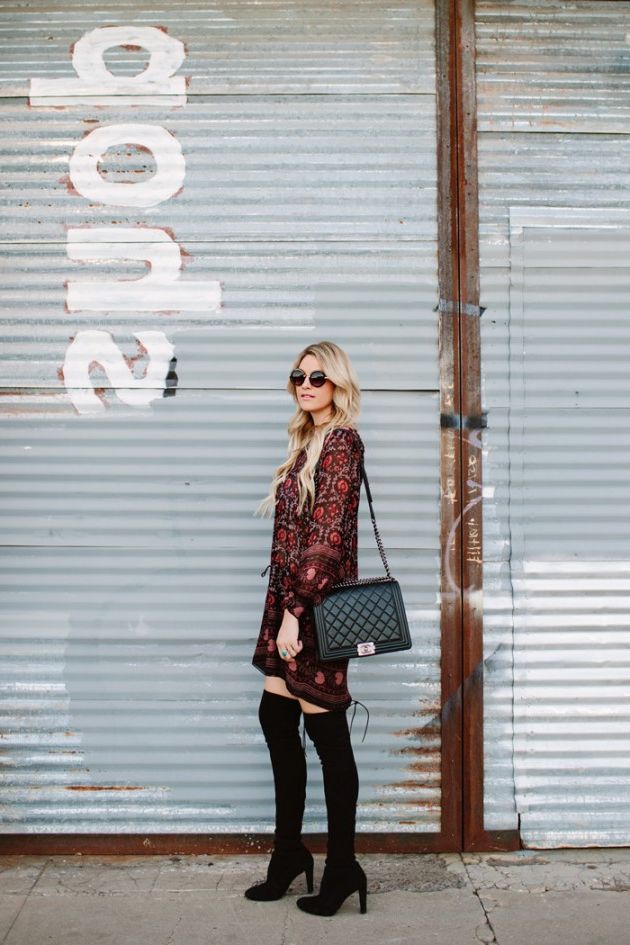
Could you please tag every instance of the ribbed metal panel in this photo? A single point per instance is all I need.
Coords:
(285, 167)
(276, 297)
(249, 46)
(131, 587)
(132, 598)
(556, 66)
(555, 245)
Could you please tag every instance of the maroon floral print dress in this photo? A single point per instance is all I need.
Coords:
(309, 552)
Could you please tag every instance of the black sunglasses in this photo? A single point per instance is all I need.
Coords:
(317, 378)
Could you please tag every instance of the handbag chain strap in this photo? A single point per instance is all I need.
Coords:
(388, 576)
(376, 531)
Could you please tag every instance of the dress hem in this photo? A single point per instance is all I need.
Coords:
(301, 695)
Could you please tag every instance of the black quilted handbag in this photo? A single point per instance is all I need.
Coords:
(362, 617)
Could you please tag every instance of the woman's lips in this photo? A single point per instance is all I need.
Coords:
(307, 396)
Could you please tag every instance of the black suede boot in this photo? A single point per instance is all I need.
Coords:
(279, 719)
(343, 874)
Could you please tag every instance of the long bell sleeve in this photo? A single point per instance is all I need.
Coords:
(337, 489)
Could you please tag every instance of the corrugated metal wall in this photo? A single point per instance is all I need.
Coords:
(284, 192)
(554, 159)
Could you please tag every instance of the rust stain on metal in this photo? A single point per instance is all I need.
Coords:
(132, 360)
(421, 731)
(118, 846)
(425, 767)
(429, 710)
(417, 750)
(165, 229)
(417, 803)
(66, 182)
(56, 108)
(24, 408)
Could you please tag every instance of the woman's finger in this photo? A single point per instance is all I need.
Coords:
(291, 649)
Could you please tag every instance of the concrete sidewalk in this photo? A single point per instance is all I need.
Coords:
(531, 897)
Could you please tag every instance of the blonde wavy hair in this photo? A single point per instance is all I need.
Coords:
(345, 406)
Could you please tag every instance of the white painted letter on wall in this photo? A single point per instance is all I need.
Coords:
(96, 85)
(166, 181)
(95, 345)
(159, 290)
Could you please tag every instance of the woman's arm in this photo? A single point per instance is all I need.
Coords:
(337, 491)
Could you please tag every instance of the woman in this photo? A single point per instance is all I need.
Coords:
(315, 497)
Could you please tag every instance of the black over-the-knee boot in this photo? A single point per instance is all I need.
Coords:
(342, 872)
(279, 719)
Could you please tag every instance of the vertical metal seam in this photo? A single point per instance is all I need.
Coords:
(475, 837)
(451, 833)
(467, 275)
(460, 446)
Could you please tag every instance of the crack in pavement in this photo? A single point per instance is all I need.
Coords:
(489, 926)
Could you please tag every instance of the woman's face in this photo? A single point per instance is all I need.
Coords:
(317, 400)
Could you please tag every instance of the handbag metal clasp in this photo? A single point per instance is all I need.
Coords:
(366, 649)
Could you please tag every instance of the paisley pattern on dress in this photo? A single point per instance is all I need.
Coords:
(310, 552)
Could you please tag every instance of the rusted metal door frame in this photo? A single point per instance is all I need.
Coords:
(462, 421)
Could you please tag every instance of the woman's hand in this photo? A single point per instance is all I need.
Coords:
(287, 639)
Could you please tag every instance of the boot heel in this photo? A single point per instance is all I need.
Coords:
(363, 896)
(283, 868)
